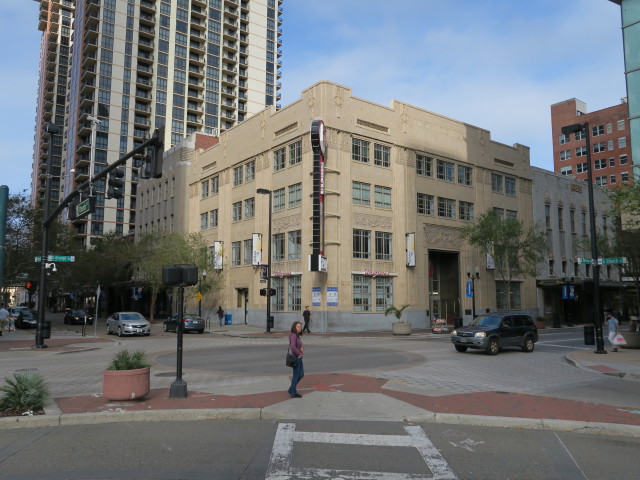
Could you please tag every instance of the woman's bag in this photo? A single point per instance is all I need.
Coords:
(291, 359)
(619, 340)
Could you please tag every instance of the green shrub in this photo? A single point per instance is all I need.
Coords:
(23, 393)
(125, 360)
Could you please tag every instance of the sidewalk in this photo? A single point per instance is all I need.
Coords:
(341, 396)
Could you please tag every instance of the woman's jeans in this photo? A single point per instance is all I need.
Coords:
(298, 373)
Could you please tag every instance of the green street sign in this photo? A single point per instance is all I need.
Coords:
(587, 261)
(58, 258)
(612, 261)
(83, 208)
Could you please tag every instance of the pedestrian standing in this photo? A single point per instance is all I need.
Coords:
(307, 318)
(4, 316)
(295, 345)
(614, 329)
(220, 313)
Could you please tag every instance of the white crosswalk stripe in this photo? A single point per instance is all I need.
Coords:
(279, 467)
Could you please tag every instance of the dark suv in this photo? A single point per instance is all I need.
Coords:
(492, 331)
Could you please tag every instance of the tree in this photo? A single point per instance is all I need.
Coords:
(516, 248)
(153, 251)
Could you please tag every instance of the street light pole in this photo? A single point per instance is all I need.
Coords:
(473, 278)
(264, 191)
(597, 314)
(203, 277)
(51, 129)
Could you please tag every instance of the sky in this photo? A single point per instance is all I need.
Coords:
(495, 64)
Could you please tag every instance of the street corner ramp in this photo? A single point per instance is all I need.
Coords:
(269, 359)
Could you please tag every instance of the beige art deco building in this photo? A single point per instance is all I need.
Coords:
(399, 184)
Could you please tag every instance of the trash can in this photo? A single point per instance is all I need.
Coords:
(589, 335)
(457, 322)
(46, 329)
(227, 319)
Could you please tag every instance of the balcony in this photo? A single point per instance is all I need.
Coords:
(87, 87)
(89, 60)
(191, 94)
(244, 40)
(93, 6)
(195, 83)
(141, 121)
(147, 7)
(86, 100)
(244, 6)
(198, 12)
(146, 31)
(199, 3)
(228, 80)
(91, 33)
(143, 67)
(228, 115)
(230, 21)
(147, 19)
(228, 68)
(198, 34)
(193, 121)
(144, 81)
(197, 47)
(48, 94)
(193, 107)
(243, 73)
(229, 46)
(83, 146)
(194, 70)
(90, 46)
(83, 160)
(231, 12)
(229, 103)
(142, 95)
(194, 58)
(142, 107)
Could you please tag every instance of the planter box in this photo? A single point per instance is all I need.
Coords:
(401, 328)
(632, 338)
(126, 384)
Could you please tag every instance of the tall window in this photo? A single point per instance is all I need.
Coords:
(215, 185)
(250, 171)
(465, 210)
(599, 147)
(384, 293)
(381, 155)
(597, 130)
(213, 218)
(277, 301)
(383, 246)
(204, 221)
(295, 153)
(572, 220)
(424, 165)
(295, 195)
(547, 215)
(561, 219)
(237, 176)
(563, 139)
(278, 247)
(295, 244)
(565, 155)
(235, 254)
(425, 204)
(509, 185)
(444, 170)
(236, 212)
(278, 199)
(295, 293)
(496, 183)
(248, 251)
(250, 207)
(361, 293)
(361, 193)
(465, 175)
(279, 159)
(204, 189)
(361, 243)
(382, 196)
(581, 167)
(446, 207)
(360, 150)
(600, 163)
(501, 295)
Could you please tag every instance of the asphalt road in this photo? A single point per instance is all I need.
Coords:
(261, 449)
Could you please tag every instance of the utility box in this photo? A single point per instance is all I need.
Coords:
(228, 319)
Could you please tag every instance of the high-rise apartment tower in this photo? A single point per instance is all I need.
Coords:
(137, 65)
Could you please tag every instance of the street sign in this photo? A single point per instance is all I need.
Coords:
(612, 261)
(85, 207)
(58, 258)
(469, 289)
(588, 261)
(198, 296)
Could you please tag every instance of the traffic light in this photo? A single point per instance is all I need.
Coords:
(263, 292)
(152, 159)
(115, 187)
(31, 286)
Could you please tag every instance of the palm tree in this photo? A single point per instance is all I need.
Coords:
(396, 311)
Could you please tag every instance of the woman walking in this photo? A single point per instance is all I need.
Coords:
(295, 345)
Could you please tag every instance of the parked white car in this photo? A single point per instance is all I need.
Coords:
(128, 323)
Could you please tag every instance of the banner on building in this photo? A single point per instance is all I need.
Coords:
(256, 258)
(217, 255)
(411, 249)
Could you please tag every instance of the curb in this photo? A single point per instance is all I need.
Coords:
(593, 428)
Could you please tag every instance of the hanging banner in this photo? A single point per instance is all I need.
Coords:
(411, 249)
(256, 258)
(217, 255)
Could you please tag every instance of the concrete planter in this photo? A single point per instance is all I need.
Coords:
(632, 338)
(126, 384)
(401, 328)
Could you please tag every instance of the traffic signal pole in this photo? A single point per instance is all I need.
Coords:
(156, 140)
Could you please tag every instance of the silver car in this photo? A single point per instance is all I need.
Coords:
(128, 323)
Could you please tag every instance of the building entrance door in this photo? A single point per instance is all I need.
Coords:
(444, 286)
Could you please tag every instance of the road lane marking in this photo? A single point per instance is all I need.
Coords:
(279, 467)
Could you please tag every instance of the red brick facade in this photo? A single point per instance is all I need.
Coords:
(609, 137)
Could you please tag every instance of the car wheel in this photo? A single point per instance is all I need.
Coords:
(200, 331)
(165, 328)
(529, 345)
(120, 334)
(459, 348)
(494, 347)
